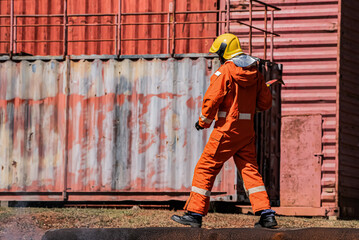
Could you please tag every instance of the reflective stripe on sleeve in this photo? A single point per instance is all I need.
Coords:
(206, 120)
(222, 114)
(256, 189)
(201, 191)
(245, 116)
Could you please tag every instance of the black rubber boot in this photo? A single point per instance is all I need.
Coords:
(188, 219)
(266, 221)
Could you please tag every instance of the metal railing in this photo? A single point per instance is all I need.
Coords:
(223, 25)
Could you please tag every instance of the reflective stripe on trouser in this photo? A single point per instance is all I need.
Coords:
(216, 152)
(201, 198)
(197, 203)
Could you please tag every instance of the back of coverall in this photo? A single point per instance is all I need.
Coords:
(235, 93)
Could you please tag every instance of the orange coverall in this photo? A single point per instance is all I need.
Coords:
(235, 93)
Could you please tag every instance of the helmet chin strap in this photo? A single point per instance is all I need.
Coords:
(222, 49)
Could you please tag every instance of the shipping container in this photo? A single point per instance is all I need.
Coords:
(319, 133)
(110, 27)
(112, 130)
(121, 27)
(348, 152)
(104, 130)
(308, 48)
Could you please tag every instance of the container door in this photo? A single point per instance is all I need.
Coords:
(300, 171)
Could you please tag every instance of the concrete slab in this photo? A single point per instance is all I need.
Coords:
(197, 234)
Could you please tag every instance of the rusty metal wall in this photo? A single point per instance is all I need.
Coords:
(32, 133)
(160, 31)
(5, 30)
(42, 39)
(308, 49)
(38, 39)
(25, 35)
(349, 110)
(107, 34)
(120, 130)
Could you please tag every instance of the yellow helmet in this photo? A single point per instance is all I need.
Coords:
(227, 46)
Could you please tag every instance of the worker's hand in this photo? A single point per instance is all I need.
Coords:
(198, 127)
(275, 81)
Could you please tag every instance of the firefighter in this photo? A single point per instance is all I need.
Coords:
(237, 90)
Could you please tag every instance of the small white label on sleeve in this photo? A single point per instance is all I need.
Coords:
(217, 73)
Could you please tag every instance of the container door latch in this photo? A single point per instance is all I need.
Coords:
(319, 156)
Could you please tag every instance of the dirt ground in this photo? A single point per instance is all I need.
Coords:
(32, 223)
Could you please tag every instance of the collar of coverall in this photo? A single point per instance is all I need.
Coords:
(244, 60)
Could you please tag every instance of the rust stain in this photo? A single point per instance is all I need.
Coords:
(162, 131)
(121, 99)
(145, 100)
(194, 103)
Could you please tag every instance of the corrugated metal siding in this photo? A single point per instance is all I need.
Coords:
(89, 33)
(26, 35)
(147, 103)
(349, 110)
(4, 31)
(126, 126)
(32, 115)
(160, 31)
(82, 39)
(307, 48)
(310, 74)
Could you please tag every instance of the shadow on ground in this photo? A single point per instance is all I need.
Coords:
(192, 233)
